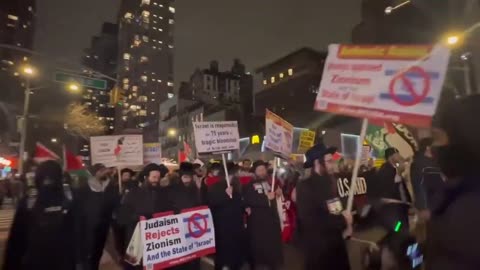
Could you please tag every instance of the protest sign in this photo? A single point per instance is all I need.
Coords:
(212, 137)
(170, 240)
(395, 83)
(361, 188)
(278, 134)
(117, 151)
(306, 141)
(152, 153)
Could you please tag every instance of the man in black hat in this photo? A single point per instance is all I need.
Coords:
(322, 221)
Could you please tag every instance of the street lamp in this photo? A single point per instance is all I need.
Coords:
(172, 132)
(453, 40)
(29, 72)
(73, 87)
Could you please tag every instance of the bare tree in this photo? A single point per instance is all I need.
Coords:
(82, 122)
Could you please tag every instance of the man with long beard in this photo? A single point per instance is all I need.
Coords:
(322, 221)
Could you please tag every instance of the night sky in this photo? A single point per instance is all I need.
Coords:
(256, 31)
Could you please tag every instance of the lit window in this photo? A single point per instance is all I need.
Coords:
(145, 2)
(171, 21)
(128, 15)
(154, 47)
(170, 83)
(12, 17)
(143, 59)
(159, 81)
(152, 113)
(155, 3)
(30, 8)
(170, 95)
(124, 118)
(154, 21)
(170, 46)
(125, 86)
(111, 127)
(161, 42)
(281, 75)
(290, 72)
(154, 28)
(160, 5)
(155, 15)
(144, 78)
(153, 79)
(145, 38)
(264, 82)
(142, 113)
(24, 26)
(126, 56)
(134, 88)
(272, 80)
(172, 9)
(153, 93)
(145, 14)
(153, 99)
(160, 29)
(125, 80)
(160, 17)
(153, 73)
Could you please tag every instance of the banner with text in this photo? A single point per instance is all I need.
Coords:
(278, 134)
(395, 83)
(152, 153)
(113, 151)
(212, 137)
(306, 141)
(171, 240)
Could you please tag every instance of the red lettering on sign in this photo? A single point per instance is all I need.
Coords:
(350, 80)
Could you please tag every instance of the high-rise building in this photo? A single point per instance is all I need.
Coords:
(101, 57)
(145, 66)
(16, 33)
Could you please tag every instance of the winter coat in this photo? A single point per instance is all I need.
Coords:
(452, 236)
(96, 203)
(183, 198)
(321, 224)
(228, 214)
(144, 201)
(263, 224)
(42, 235)
(385, 186)
(426, 180)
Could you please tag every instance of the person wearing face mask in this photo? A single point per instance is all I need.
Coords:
(96, 202)
(322, 221)
(263, 222)
(42, 233)
(452, 234)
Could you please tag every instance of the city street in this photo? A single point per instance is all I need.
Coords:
(293, 259)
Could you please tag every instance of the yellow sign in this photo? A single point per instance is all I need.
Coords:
(306, 141)
(255, 139)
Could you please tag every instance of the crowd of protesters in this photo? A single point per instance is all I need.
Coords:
(57, 226)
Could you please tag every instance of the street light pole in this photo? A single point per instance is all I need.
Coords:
(23, 132)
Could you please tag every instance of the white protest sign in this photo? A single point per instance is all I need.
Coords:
(152, 153)
(394, 83)
(211, 137)
(170, 240)
(278, 134)
(114, 151)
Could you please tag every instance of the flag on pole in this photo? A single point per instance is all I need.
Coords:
(42, 153)
(73, 165)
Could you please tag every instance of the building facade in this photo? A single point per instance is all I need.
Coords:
(17, 28)
(101, 57)
(290, 86)
(145, 65)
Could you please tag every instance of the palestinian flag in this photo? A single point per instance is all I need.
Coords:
(74, 166)
(42, 153)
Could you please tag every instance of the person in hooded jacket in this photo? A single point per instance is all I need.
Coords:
(42, 234)
(184, 195)
(263, 222)
(227, 209)
(96, 204)
(321, 220)
(145, 201)
(452, 234)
